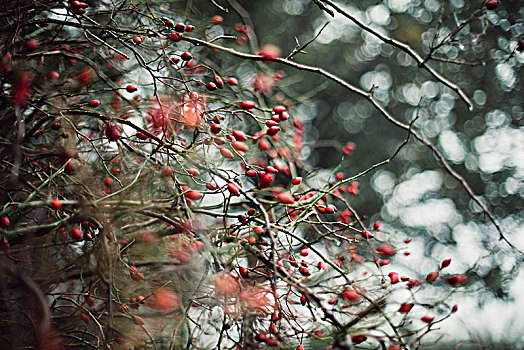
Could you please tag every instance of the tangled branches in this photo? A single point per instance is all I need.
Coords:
(152, 198)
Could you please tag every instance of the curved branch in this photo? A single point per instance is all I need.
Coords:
(407, 49)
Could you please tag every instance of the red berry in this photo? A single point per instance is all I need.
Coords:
(427, 319)
(432, 276)
(108, 181)
(265, 179)
(137, 320)
(271, 342)
(186, 56)
(244, 272)
(270, 52)
(239, 135)
(272, 131)
(350, 295)
(264, 145)
(176, 37)
(376, 225)
(330, 209)
(251, 173)
(232, 81)
(70, 168)
(393, 276)
(167, 171)
(242, 218)
(304, 252)
(112, 132)
(56, 204)
(366, 234)
(219, 81)
(445, 263)
(76, 233)
(193, 195)
(31, 45)
(141, 136)
(247, 105)
(120, 340)
(226, 153)
(217, 19)
(271, 169)
(215, 128)
(279, 109)
(358, 338)
(353, 188)
(84, 317)
(285, 198)
(304, 271)
(94, 103)
(180, 27)
(240, 146)
(456, 280)
(348, 148)
(303, 299)
(405, 308)
(296, 180)
(189, 28)
(131, 88)
(4, 221)
(454, 308)
(492, 5)
(386, 250)
(211, 86)
(260, 337)
(233, 189)
(193, 171)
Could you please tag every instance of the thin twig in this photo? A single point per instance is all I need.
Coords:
(300, 49)
(407, 49)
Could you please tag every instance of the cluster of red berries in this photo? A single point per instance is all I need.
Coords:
(78, 8)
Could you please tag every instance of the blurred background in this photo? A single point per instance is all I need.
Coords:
(412, 195)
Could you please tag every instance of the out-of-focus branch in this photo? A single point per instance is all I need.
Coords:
(407, 49)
